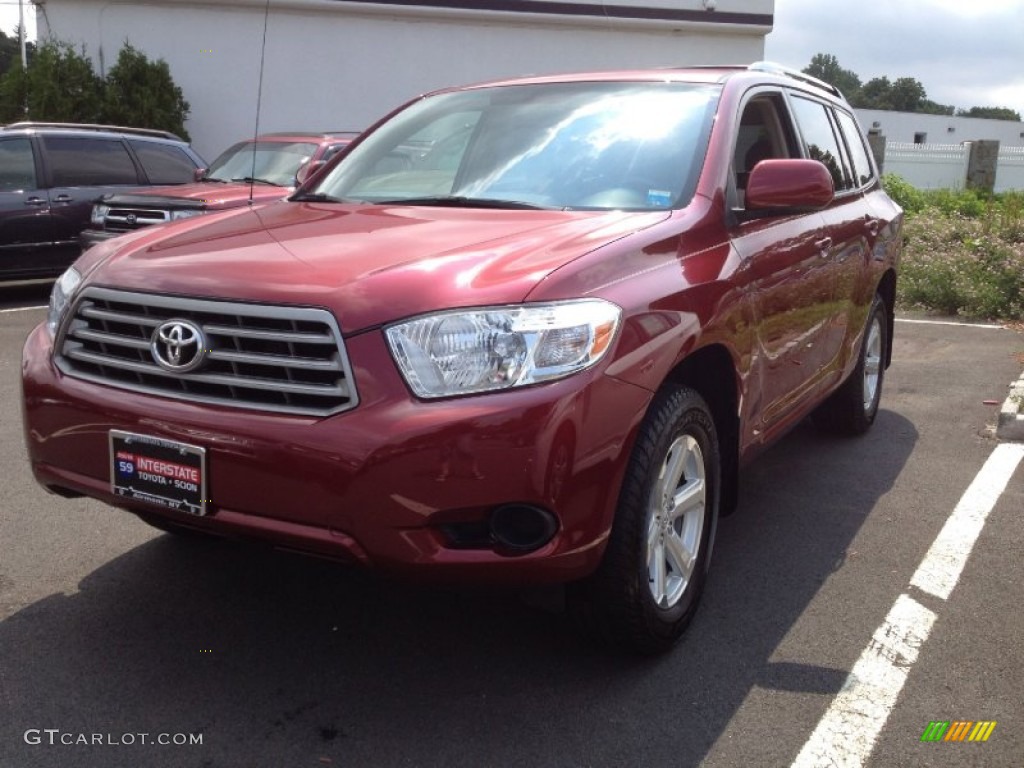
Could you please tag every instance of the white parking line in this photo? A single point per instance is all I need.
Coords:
(847, 731)
(21, 309)
(950, 322)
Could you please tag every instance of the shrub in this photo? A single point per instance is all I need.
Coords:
(961, 266)
(908, 197)
(140, 92)
(60, 85)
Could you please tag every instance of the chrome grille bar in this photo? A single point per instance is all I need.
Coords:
(274, 358)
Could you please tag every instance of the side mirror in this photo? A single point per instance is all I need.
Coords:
(306, 171)
(788, 186)
(199, 174)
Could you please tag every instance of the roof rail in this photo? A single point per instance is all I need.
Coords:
(778, 69)
(97, 127)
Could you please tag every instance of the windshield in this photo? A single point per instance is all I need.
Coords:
(276, 162)
(636, 146)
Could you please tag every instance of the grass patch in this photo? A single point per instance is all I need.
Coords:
(963, 252)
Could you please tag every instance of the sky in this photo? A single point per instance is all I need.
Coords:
(966, 53)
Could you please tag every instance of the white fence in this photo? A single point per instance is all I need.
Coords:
(928, 166)
(1010, 170)
(945, 166)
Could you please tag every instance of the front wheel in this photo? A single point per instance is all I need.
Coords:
(852, 408)
(646, 590)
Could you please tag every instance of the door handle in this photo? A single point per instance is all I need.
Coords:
(63, 199)
(873, 227)
(36, 201)
(824, 245)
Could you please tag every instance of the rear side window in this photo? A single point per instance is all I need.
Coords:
(89, 162)
(164, 163)
(821, 140)
(17, 168)
(858, 154)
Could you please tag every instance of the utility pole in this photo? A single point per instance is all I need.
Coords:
(21, 33)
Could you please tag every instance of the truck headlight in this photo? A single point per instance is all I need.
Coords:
(99, 214)
(60, 298)
(186, 213)
(460, 352)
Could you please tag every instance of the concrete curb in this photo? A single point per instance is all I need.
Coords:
(1011, 420)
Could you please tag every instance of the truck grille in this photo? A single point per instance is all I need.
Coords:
(125, 219)
(275, 358)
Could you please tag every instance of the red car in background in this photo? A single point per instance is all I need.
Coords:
(524, 331)
(261, 170)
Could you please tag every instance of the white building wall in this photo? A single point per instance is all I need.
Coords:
(903, 126)
(336, 65)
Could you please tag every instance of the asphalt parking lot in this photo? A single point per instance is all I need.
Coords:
(108, 627)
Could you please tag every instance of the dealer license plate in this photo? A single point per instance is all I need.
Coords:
(163, 472)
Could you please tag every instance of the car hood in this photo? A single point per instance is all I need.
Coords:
(207, 195)
(369, 264)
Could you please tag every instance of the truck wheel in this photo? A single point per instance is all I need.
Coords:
(647, 588)
(852, 408)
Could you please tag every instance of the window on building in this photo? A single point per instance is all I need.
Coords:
(920, 137)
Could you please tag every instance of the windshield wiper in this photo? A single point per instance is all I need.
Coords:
(316, 197)
(253, 180)
(460, 201)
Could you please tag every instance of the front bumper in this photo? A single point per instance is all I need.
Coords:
(380, 485)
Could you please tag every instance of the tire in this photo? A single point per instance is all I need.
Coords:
(852, 408)
(646, 590)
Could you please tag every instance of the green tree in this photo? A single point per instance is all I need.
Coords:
(825, 66)
(142, 93)
(933, 108)
(875, 94)
(992, 113)
(907, 95)
(60, 84)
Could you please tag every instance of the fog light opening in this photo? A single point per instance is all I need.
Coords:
(522, 527)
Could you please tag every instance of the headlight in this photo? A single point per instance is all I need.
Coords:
(465, 351)
(99, 214)
(60, 298)
(186, 213)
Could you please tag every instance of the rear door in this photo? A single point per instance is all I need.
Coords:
(26, 227)
(848, 228)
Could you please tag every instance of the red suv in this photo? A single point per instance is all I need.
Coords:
(522, 332)
(258, 170)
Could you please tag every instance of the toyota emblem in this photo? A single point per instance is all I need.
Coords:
(131, 218)
(178, 346)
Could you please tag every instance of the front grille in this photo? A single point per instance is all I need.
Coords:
(286, 359)
(124, 219)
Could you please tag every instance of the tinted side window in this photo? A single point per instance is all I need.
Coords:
(858, 154)
(88, 162)
(17, 168)
(164, 163)
(820, 138)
